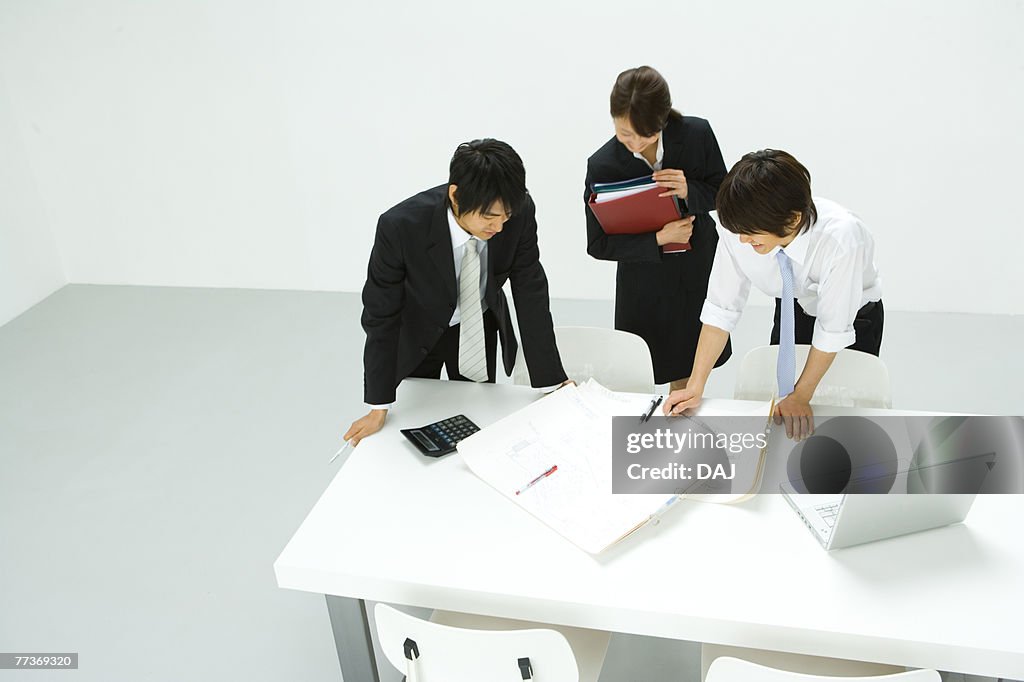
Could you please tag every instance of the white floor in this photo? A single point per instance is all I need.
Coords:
(158, 447)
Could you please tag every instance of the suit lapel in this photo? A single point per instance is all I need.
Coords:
(493, 245)
(673, 158)
(673, 148)
(440, 251)
(635, 167)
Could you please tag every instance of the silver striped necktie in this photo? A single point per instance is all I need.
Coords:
(472, 353)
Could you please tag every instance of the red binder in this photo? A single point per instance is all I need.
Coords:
(638, 214)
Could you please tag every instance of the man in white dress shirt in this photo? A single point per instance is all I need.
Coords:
(811, 254)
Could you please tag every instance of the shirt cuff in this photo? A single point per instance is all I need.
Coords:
(831, 342)
(719, 317)
(387, 406)
(549, 389)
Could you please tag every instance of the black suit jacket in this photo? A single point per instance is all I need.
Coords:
(690, 146)
(411, 293)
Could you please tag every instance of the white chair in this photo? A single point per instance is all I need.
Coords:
(619, 360)
(494, 649)
(728, 669)
(855, 379)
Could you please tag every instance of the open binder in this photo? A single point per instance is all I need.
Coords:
(572, 429)
(634, 207)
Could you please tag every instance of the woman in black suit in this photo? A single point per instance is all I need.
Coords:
(659, 296)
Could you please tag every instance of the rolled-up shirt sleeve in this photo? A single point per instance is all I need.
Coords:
(839, 295)
(728, 289)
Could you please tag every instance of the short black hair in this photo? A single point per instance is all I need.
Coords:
(762, 193)
(485, 171)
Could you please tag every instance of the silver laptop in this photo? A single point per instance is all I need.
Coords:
(841, 520)
(845, 520)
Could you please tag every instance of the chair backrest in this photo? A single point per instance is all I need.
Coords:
(855, 379)
(618, 360)
(450, 654)
(728, 669)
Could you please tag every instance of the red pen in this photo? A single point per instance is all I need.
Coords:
(534, 481)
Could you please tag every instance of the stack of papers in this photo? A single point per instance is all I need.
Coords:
(610, 191)
(635, 207)
(570, 429)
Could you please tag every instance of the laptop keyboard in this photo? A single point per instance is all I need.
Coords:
(828, 513)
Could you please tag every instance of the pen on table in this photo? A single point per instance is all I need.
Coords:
(539, 478)
(650, 411)
(656, 516)
(344, 447)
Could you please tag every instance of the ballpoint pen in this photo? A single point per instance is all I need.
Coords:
(536, 480)
(343, 448)
(650, 411)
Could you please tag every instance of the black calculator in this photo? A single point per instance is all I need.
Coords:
(441, 437)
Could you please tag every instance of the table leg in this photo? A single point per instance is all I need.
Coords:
(352, 639)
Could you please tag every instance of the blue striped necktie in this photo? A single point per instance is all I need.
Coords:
(785, 370)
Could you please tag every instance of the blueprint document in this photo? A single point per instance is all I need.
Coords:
(571, 429)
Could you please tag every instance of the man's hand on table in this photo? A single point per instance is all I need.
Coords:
(795, 412)
(365, 426)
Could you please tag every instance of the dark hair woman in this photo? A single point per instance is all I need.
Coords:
(659, 295)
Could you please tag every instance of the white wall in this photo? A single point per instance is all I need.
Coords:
(253, 144)
(30, 266)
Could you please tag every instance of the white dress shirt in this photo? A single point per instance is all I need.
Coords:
(459, 239)
(834, 275)
(659, 155)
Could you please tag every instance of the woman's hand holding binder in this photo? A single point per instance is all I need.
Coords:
(676, 232)
(672, 179)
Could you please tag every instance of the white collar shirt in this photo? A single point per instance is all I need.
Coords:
(659, 155)
(834, 275)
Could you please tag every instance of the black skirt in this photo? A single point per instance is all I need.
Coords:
(661, 303)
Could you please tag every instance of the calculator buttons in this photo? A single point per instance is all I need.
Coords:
(442, 436)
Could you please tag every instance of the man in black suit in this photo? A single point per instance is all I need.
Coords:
(433, 286)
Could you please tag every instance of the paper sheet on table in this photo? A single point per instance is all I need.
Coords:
(749, 463)
(571, 428)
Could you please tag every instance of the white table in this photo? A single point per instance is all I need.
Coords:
(397, 527)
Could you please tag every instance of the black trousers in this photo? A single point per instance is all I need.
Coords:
(446, 353)
(867, 326)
